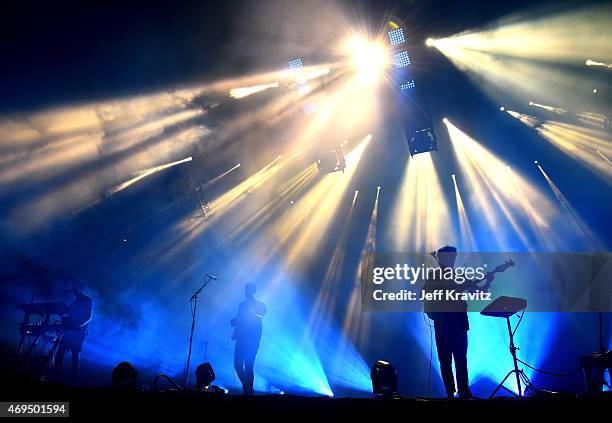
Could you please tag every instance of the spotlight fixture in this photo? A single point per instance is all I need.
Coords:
(422, 140)
(535, 162)
(384, 380)
(396, 36)
(401, 59)
(407, 85)
(430, 42)
(205, 375)
(333, 161)
(296, 63)
(125, 376)
(502, 108)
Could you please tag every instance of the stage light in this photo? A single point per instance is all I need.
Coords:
(502, 108)
(554, 109)
(422, 141)
(205, 375)
(528, 120)
(125, 376)
(430, 42)
(407, 85)
(242, 92)
(590, 62)
(401, 59)
(384, 379)
(396, 36)
(296, 64)
(368, 58)
(577, 142)
(332, 161)
(310, 108)
(303, 88)
(144, 173)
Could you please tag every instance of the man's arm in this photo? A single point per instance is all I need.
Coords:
(473, 283)
(234, 321)
(85, 317)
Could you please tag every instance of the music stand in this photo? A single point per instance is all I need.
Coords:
(506, 307)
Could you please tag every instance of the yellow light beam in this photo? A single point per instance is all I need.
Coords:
(576, 221)
(329, 291)
(219, 177)
(306, 223)
(519, 56)
(558, 110)
(242, 92)
(590, 62)
(493, 190)
(421, 215)
(467, 238)
(356, 324)
(144, 173)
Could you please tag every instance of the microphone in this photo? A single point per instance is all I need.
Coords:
(209, 276)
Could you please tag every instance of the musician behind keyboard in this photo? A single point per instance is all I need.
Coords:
(76, 322)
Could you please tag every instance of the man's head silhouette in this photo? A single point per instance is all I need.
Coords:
(446, 256)
(249, 291)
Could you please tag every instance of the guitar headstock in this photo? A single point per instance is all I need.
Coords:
(502, 267)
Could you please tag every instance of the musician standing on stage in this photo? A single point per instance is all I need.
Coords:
(247, 334)
(76, 322)
(451, 326)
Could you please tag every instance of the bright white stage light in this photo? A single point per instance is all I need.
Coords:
(310, 108)
(430, 42)
(407, 85)
(296, 63)
(396, 36)
(368, 58)
(242, 92)
(401, 59)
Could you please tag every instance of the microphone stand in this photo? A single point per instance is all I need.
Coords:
(194, 300)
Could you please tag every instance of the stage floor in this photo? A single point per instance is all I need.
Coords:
(89, 402)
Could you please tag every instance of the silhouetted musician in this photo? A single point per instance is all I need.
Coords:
(75, 322)
(247, 334)
(451, 326)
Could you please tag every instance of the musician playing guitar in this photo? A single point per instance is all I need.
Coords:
(451, 322)
(247, 334)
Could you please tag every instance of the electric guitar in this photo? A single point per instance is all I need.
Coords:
(247, 317)
(429, 306)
